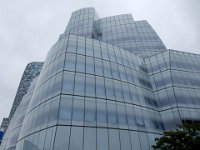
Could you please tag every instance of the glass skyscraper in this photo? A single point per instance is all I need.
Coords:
(106, 84)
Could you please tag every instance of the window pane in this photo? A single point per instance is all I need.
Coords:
(115, 71)
(139, 116)
(89, 65)
(70, 62)
(89, 49)
(118, 91)
(101, 112)
(45, 114)
(90, 112)
(49, 138)
(122, 73)
(78, 110)
(89, 138)
(79, 84)
(62, 138)
(57, 85)
(100, 88)
(131, 117)
(71, 47)
(97, 50)
(102, 139)
(65, 111)
(109, 89)
(76, 138)
(68, 83)
(90, 85)
(125, 140)
(35, 141)
(98, 67)
(80, 63)
(126, 92)
(122, 119)
(107, 69)
(112, 113)
(61, 63)
(41, 139)
(135, 140)
(81, 46)
(53, 116)
(114, 143)
(144, 140)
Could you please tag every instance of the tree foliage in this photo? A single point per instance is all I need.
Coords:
(186, 137)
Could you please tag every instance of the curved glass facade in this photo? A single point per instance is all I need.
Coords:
(12, 133)
(95, 93)
(90, 88)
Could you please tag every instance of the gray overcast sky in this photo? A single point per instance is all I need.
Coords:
(28, 28)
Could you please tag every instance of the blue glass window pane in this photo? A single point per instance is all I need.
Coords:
(122, 73)
(41, 139)
(118, 91)
(57, 85)
(55, 65)
(50, 88)
(89, 138)
(112, 113)
(60, 142)
(89, 49)
(102, 139)
(131, 117)
(70, 62)
(97, 50)
(81, 46)
(135, 140)
(68, 83)
(107, 69)
(125, 140)
(61, 63)
(80, 63)
(49, 140)
(101, 112)
(105, 53)
(71, 47)
(122, 118)
(98, 67)
(100, 87)
(78, 110)
(115, 71)
(89, 65)
(126, 92)
(90, 85)
(109, 89)
(79, 88)
(90, 111)
(53, 115)
(114, 143)
(139, 116)
(35, 140)
(65, 112)
(144, 140)
(76, 138)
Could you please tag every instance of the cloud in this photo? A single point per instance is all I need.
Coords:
(30, 27)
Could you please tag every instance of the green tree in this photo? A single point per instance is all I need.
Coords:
(186, 137)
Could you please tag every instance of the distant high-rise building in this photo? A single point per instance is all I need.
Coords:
(108, 84)
(3, 126)
(31, 71)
